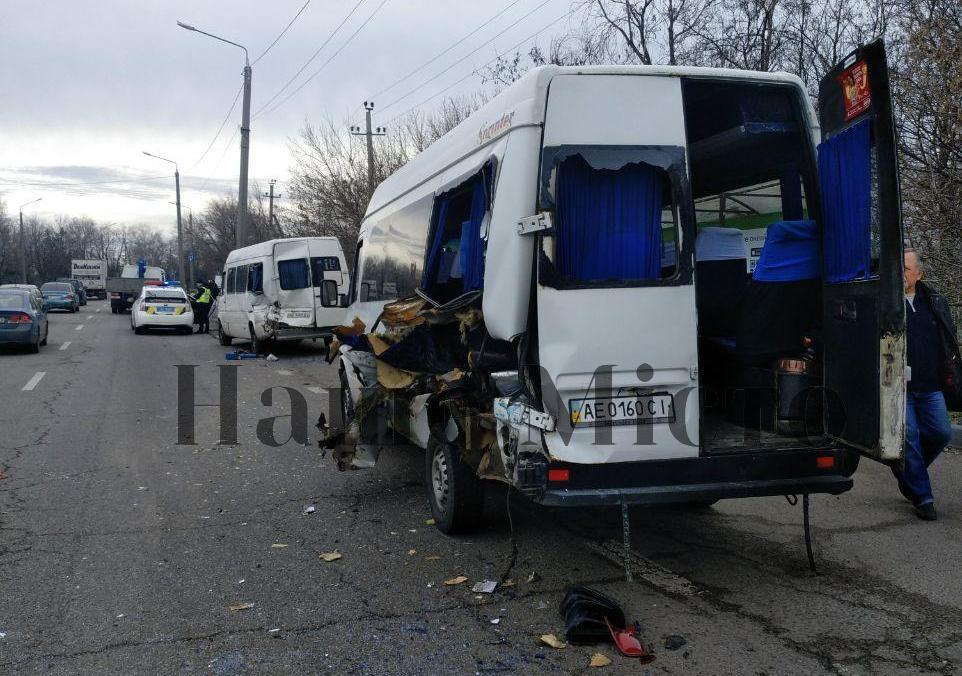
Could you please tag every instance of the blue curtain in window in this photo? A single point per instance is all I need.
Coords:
(608, 222)
(472, 246)
(293, 274)
(434, 252)
(790, 253)
(845, 175)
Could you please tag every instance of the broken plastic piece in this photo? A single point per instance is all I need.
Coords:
(308, 509)
(456, 580)
(485, 587)
(271, 357)
(331, 556)
(240, 606)
(628, 644)
(587, 613)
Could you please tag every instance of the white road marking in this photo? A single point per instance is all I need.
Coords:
(65, 346)
(79, 327)
(32, 383)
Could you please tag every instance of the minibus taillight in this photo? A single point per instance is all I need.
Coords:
(825, 461)
(559, 474)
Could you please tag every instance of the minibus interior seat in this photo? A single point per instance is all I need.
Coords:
(721, 278)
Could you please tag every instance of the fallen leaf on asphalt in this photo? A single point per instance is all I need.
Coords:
(412, 552)
(508, 583)
(456, 580)
(2, 476)
(331, 556)
(429, 522)
(432, 557)
(599, 660)
(552, 640)
(534, 577)
(240, 606)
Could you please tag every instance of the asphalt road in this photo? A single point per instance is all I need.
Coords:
(122, 551)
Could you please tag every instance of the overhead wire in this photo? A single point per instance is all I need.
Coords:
(323, 65)
(286, 28)
(43, 184)
(475, 70)
(471, 53)
(219, 129)
(437, 56)
(312, 57)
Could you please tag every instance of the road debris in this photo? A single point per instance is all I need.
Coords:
(429, 522)
(599, 660)
(432, 557)
(484, 587)
(496, 620)
(674, 642)
(278, 545)
(240, 606)
(460, 579)
(412, 552)
(308, 509)
(272, 357)
(533, 577)
(331, 556)
(552, 641)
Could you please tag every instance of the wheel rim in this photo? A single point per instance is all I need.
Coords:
(439, 478)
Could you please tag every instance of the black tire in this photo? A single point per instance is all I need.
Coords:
(139, 330)
(34, 348)
(455, 493)
(222, 337)
(45, 336)
(113, 310)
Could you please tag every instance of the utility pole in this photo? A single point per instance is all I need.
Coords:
(240, 234)
(192, 256)
(240, 227)
(270, 206)
(180, 229)
(370, 134)
(23, 247)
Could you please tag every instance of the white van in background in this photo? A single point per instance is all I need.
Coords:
(283, 289)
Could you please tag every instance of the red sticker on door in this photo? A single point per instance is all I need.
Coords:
(855, 90)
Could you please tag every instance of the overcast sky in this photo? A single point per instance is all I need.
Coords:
(87, 85)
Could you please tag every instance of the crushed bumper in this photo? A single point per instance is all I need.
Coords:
(698, 479)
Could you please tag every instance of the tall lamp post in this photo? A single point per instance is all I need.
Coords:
(23, 248)
(180, 228)
(191, 253)
(240, 228)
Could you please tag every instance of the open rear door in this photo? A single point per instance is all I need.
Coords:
(295, 293)
(864, 313)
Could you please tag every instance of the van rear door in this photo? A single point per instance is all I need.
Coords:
(864, 313)
(295, 295)
(615, 301)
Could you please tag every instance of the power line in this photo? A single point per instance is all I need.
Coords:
(473, 72)
(330, 58)
(223, 154)
(471, 53)
(454, 44)
(219, 129)
(313, 56)
(286, 28)
(66, 184)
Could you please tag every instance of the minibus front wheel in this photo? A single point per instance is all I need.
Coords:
(455, 493)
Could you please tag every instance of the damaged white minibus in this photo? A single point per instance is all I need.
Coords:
(637, 284)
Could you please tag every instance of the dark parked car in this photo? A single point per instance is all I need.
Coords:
(60, 296)
(78, 288)
(23, 319)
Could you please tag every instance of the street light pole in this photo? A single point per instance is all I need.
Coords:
(23, 248)
(180, 229)
(191, 253)
(240, 228)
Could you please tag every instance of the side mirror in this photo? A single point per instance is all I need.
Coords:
(329, 295)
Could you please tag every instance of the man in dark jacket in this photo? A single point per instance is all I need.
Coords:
(932, 360)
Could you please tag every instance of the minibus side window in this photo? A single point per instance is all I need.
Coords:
(255, 278)
(293, 274)
(231, 276)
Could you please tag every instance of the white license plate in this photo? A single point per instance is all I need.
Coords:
(645, 409)
(165, 310)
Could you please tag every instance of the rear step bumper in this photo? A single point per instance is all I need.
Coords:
(700, 479)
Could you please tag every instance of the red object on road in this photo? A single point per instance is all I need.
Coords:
(628, 644)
